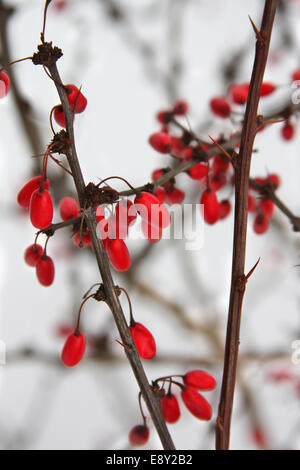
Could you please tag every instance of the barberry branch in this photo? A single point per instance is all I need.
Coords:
(242, 172)
(112, 300)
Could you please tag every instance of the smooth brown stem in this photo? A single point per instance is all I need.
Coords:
(151, 400)
(238, 280)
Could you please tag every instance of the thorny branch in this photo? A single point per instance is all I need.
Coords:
(238, 281)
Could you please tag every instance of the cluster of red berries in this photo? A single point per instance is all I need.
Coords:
(74, 348)
(154, 218)
(77, 102)
(197, 405)
(211, 177)
(4, 84)
(221, 106)
(262, 207)
(35, 196)
(154, 214)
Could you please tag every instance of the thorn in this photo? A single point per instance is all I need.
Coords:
(258, 34)
(253, 269)
(123, 345)
(266, 123)
(219, 423)
(221, 148)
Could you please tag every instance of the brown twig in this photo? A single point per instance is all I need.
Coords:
(238, 280)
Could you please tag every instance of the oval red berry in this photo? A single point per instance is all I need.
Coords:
(118, 254)
(200, 380)
(24, 195)
(139, 435)
(73, 350)
(170, 408)
(196, 404)
(143, 340)
(45, 271)
(41, 209)
(68, 208)
(211, 206)
(32, 254)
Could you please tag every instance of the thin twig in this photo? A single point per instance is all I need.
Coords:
(238, 280)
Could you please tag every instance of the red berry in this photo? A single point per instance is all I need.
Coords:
(152, 210)
(267, 207)
(151, 233)
(259, 437)
(161, 142)
(143, 340)
(180, 108)
(125, 213)
(239, 93)
(259, 181)
(170, 408)
(175, 196)
(217, 181)
(59, 116)
(157, 174)
(41, 209)
(274, 180)
(4, 84)
(73, 350)
(75, 96)
(196, 404)
(139, 435)
(224, 209)
(25, 193)
(211, 206)
(160, 194)
(251, 203)
(164, 117)
(100, 213)
(33, 254)
(288, 131)
(267, 88)
(177, 145)
(68, 208)
(60, 4)
(85, 239)
(220, 106)
(199, 379)
(220, 164)
(45, 270)
(104, 228)
(260, 224)
(118, 254)
(296, 75)
(197, 172)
